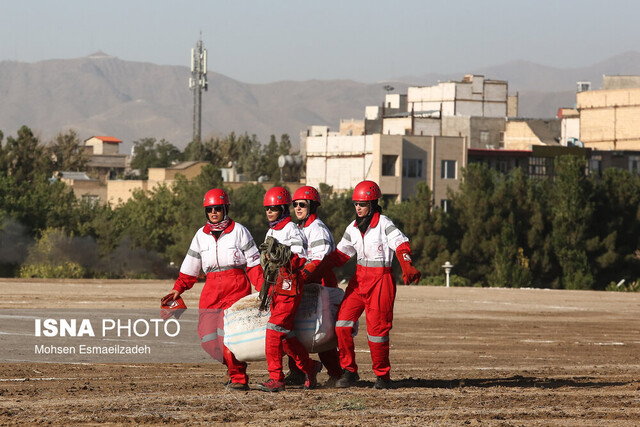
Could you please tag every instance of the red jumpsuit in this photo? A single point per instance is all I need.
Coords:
(280, 335)
(371, 289)
(320, 243)
(230, 262)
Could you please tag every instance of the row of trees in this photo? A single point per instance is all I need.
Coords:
(574, 232)
(247, 153)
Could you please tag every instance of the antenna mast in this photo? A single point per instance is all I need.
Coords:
(197, 82)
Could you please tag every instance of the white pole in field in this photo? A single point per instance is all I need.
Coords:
(447, 269)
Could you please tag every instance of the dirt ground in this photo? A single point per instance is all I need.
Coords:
(460, 356)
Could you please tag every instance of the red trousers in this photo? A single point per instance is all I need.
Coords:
(280, 337)
(210, 331)
(372, 290)
(330, 360)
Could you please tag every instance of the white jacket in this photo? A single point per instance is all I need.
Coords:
(290, 235)
(234, 249)
(377, 247)
(319, 239)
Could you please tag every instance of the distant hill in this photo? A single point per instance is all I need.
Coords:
(103, 95)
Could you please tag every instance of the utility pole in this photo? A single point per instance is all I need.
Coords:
(197, 82)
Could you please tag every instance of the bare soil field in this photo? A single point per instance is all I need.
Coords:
(460, 356)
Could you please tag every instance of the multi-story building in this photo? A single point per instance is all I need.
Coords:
(429, 135)
(396, 162)
(610, 118)
(105, 160)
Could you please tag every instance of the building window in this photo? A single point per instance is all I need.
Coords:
(448, 169)
(389, 165)
(484, 137)
(595, 166)
(537, 167)
(634, 164)
(502, 166)
(412, 168)
(445, 204)
(90, 199)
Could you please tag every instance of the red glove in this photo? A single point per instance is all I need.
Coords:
(409, 273)
(172, 307)
(307, 271)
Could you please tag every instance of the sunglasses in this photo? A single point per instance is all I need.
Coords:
(361, 204)
(271, 208)
(301, 204)
(210, 209)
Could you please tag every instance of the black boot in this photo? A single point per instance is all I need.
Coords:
(347, 379)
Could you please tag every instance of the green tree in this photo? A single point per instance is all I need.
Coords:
(615, 237)
(196, 151)
(149, 153)
(572, 212)
(479, 220)
(25, 158)
(67, 153)
(426, 229)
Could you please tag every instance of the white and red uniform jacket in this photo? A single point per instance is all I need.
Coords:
(231, 263)
(320, 243)
(289, 234)
(378, 245)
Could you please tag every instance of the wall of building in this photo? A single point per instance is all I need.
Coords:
(610, 119)
(119, 191)
(450, 149)
(351, 127)
(569, 128)
(396, 125)
(620, 82)
(94, 190)
(339, 160)
(519, 136)
(512, 105)
(413, 149)
(157, 174)
(389, 146)
(426, 126)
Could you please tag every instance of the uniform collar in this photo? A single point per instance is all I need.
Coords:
(281, 224)
(229, 229)
(374, 220)
(309, 220)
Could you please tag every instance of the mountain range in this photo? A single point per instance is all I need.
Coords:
(104, 95)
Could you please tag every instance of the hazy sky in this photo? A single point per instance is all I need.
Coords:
(366, 40)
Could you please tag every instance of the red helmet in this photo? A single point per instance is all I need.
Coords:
(365, 191)
(277, 196)
(307, 192)
(215, 197)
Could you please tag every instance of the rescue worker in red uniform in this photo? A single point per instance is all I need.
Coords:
(285, 299)
(373, 239)
(227, 253)
(306, 201)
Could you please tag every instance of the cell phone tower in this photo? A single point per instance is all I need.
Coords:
(198, 82)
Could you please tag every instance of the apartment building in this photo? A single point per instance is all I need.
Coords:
(396, 162)
(610, 118)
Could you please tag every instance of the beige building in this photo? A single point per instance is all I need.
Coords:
(473, 96)
(105, 161)
(522, 134)
(569, 126)
(610, 118)
(84, 187)
(119, 191)
(396, 162)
